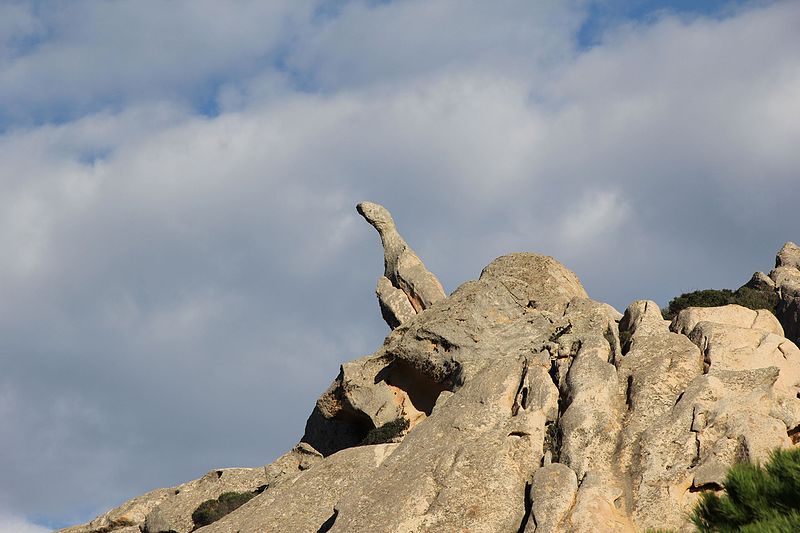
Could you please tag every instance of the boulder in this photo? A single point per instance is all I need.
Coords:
(788, 256)
(128, 516)
(394, 303)
(552, 495)
(760, 282)
(729, 315)
(786, 277)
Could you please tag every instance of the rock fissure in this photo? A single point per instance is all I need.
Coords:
(521, 395)
(329, 523)
(528, 504)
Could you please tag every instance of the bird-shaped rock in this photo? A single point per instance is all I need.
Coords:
(406, 287)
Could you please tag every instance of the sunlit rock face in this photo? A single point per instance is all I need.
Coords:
(516, 403)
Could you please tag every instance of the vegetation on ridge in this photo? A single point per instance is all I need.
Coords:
(212, 510)
(744, 296)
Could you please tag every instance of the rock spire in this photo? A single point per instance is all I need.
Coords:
(406, 287)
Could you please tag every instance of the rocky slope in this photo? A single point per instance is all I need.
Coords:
(528, 407)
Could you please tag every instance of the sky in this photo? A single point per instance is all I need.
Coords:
(183, 269)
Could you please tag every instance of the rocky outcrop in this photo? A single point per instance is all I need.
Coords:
(306, 504)
(171, 509)
(784, 280)
(406, 287)
(528, 407)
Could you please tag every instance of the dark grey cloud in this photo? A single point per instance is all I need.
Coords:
(176, 290)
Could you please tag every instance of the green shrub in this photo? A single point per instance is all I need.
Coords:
(756, 499)
(212, 510)
(386, 432)
(755, 299)
(745, 296)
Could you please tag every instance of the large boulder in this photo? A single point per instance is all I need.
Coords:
(786, 277)
(788, 256)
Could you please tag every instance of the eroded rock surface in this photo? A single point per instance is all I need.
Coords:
(171, 509)
(529, 407)
(406, 287)
(784, 280)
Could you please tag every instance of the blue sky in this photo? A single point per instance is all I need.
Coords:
(183, 267)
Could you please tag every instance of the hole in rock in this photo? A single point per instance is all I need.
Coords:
(794, 434)
(329, 435)
(422, 390)
(618, 502)
(705, 486)
(629, 392)
(575, 348)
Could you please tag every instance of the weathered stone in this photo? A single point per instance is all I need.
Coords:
(788, 313)
(368, 393)
(395, 306)
(535, 281)
(599, 507)
(760, 282)
(552, 495)
(788, 256)
(307, 504)
(729, 315)
(175, 512)
(402, 267)
(464, 468)
(787, 281)
(732, 348)
(786, 277)
(652, 375)
(128, 515)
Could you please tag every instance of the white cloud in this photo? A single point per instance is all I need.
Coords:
(90, 54)
(17, 524)
(390, 42)
(597, 216)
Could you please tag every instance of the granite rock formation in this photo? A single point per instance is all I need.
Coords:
(529, 407)
(784, 280)
(406, 287)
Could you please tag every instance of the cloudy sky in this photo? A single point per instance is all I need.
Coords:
(182, 266)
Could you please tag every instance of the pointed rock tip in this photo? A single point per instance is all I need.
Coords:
(375, 214)
(788, 256)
